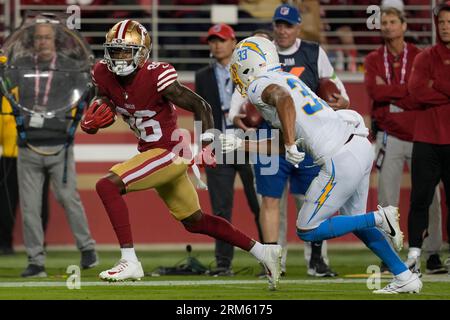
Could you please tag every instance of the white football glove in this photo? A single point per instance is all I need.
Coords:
(293, 155)
(229, 142)
(207, 137)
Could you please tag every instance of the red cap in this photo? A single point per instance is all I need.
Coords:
(222, 30)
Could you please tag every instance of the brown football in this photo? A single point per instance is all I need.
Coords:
(326, 89)
(252, 117)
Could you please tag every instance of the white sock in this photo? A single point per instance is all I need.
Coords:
(414, 253)
(257, 250)
(378, 218)
(404, 275)
(129, 254)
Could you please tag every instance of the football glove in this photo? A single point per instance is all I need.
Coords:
(230, 142)
(293, 155)
(97, 117)
(205, 158)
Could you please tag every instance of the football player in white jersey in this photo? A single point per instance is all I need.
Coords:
(337, 140)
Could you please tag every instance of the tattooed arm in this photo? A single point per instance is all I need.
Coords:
(281, 99)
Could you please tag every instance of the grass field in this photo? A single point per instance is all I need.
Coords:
(350, 264)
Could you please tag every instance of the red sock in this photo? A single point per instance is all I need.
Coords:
(117, 210)
(221, 229)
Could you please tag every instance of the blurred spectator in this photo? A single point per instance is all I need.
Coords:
(86, 13)
(184, 41)
(183, 35)
(311, 23)
(424, 26)
(343, 59)
(46, 137)
(397, 4)
(429, 85)
(346, 31)
(262, 9)
(9, 187)
(387, 73)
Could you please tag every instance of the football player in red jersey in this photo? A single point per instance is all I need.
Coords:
(144, 93)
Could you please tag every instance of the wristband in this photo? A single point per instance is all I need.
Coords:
(207, 136)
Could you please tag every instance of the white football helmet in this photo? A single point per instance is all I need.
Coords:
(252, 57)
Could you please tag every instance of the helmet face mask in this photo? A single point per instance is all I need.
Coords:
(240, 83)
(252, 57)
(127, 47)
(122, 60)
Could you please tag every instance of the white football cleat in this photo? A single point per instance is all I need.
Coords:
(412, 285)
(391, 225)
(123, 270)
(272, 264)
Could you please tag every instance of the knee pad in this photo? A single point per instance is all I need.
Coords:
(197, 226)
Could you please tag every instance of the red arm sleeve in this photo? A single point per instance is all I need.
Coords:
(407, 103)
(382, 92)
(418, 84)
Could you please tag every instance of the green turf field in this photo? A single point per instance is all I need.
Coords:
(350, 264)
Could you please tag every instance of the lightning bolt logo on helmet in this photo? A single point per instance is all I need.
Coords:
(254, 47)
(252, 57)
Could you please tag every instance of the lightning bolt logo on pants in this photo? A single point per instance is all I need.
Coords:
(325, 193)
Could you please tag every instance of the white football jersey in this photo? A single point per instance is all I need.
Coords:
(321, 130)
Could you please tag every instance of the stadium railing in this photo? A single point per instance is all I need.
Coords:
(179, 32)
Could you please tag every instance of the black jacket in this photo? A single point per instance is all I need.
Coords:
(206, 87)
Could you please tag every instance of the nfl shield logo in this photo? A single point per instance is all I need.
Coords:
(284, 11)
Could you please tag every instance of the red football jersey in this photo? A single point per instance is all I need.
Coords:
(141, 104)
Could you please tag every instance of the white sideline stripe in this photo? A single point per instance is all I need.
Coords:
(197, 282)
(104, 152)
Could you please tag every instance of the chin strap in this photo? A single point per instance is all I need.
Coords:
(124, 71)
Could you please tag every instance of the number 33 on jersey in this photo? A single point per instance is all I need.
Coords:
(321, 129)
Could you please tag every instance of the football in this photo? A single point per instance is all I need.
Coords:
(111, 106)
(326, 89)
(252, 117)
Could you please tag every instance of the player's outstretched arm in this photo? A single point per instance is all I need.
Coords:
(230, 142)
(187, 99)
(281, 99)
